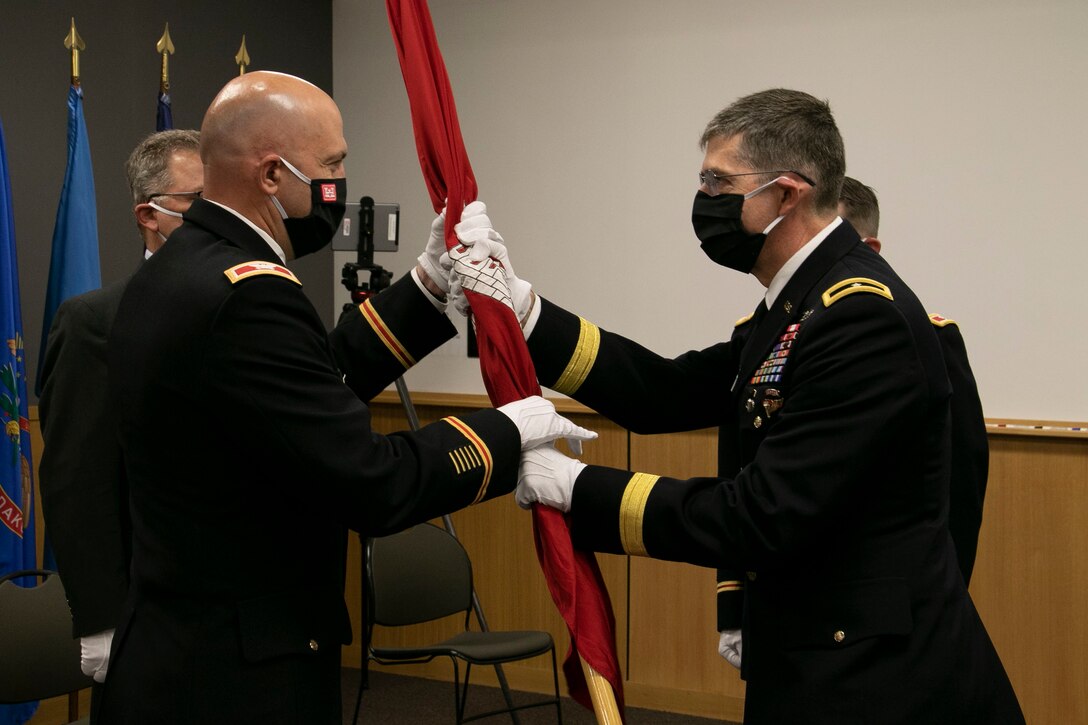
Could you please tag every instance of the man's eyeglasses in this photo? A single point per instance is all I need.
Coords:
(189, 196)
(712, 181)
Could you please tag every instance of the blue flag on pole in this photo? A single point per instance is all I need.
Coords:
(164, 119)
(73, 267)
(17, 543)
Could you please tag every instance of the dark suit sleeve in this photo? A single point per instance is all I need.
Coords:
(374, 343)
(970, 451)
(83, 497)
(857, 386)
(632, 386)
(267, 362)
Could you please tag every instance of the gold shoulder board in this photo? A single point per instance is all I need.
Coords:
(246, 270)
(837, 291)
(742, 320)
(941, 321)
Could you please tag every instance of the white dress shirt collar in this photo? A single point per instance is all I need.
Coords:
(794, 263)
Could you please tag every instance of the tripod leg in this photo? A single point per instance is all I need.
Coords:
(413, 423)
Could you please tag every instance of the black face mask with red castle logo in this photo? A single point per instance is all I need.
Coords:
(314, 231)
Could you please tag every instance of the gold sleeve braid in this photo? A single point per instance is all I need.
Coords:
(581, 362)
(632, 512)
(395, 347)
(468, 458)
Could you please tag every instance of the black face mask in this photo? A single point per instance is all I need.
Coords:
(716, 220)
(314, 231)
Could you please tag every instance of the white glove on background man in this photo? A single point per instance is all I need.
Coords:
(729, 646)
(94, 654)
(546, 476)
(538, 423)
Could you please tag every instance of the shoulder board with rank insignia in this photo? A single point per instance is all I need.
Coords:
(837, 291)
(742, 320)
(939, 321)
(245, 270)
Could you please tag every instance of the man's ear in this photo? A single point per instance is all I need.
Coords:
(145, 217)
(791, 191)
(873, 243)
(268, 172)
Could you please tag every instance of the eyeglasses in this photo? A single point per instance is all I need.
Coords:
(191, 196)
(711, 180)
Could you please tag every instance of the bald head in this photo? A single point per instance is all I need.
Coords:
(264, 112)
(256, 120)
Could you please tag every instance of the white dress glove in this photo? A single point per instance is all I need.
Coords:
(433, 253)
(472, 269)
(546, 476)
(94, 654)
(538, 423)
(730, 645)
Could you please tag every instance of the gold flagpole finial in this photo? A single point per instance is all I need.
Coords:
(242, 58)
(75, 44)
(165, 47)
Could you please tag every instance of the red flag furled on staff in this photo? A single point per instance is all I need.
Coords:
(573, 577)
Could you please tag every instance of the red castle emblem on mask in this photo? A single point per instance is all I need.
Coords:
(328, 192)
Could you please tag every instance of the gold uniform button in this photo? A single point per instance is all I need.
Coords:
(314, 646)
(758, 422)
(750, 405)
(751, 576)
(839, 635)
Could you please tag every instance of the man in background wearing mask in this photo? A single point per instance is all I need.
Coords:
(246, 441)
(832, 406)
(970, 450)
(84, 497)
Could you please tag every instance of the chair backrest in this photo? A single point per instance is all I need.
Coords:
(417, 575)
(39, 658)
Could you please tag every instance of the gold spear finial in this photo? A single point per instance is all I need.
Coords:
(165, 47)
(242, 58)
(75, 44)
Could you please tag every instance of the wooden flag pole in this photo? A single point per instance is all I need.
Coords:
(605, 708)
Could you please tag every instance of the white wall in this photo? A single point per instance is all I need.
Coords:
(582, 118)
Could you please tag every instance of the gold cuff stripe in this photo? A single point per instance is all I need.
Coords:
(733, 586)
(837, 291)
(386, 335)
(481, 450)
(581, 362)
(632, 511)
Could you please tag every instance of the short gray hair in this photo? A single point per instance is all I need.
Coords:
(147, 168)
(860, 207)
(784, 129)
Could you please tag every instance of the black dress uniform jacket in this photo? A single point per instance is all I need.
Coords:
(970, 447)
(249, 450)
(833, 410)
(84, 497)
(970, 468)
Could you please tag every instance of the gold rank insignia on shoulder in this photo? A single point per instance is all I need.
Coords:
(742, 320)
(837, 291)
(245, 270)
(939, 321)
